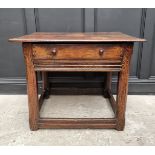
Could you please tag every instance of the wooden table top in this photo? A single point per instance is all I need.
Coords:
(77, 37)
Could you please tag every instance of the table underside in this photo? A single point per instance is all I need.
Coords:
(78, 122)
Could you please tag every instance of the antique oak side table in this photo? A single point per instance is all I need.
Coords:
(77, 52)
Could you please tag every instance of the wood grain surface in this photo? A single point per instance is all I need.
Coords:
(77, 37)
(77, 51)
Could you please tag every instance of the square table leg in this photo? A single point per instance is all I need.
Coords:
(45, 84)
(107, 84)
(31, 87)
(122, 89)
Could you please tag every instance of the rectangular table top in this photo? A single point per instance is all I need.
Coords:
(77, 37)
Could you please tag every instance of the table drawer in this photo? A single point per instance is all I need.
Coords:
(76, 51)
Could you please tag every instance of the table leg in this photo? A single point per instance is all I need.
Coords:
(122, 89)
(107, 84)
(45, 84)
(31, 87)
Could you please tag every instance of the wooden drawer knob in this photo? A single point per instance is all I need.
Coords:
(54, 51)
(101, 51)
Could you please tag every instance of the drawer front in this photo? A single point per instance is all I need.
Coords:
(76, 51)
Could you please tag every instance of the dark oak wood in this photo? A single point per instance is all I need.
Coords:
(77, 52)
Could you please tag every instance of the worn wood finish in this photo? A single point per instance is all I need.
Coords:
(77, 65)
(82, 69)
(81, 123)
(31, 87)
(77, 37)
(123, 87)
(77, 51)
(86, 52)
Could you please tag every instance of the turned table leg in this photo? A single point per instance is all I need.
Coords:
(45, 84)
(122, 89)
(31, 87)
